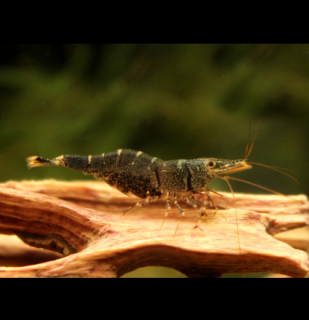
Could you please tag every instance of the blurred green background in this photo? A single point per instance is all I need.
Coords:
(172, 101)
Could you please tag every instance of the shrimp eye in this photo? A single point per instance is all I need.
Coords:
(211, 164)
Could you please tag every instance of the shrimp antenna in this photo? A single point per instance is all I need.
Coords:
(236, 215)
(254, 184)
(279, 169)
(228, 183)
(247, 145)
(250, 149)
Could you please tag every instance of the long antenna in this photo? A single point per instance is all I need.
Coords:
(228, 183)
(254, 184)
(248, 151)
(236, 215)
(258, 127)
(247, 145)
(275, 168)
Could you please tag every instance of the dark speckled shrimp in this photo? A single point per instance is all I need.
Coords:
(151, 178)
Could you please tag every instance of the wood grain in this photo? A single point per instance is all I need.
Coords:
(82, 221)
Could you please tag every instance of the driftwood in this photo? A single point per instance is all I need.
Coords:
(82, 221)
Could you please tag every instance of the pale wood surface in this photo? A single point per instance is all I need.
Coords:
(82, 220)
